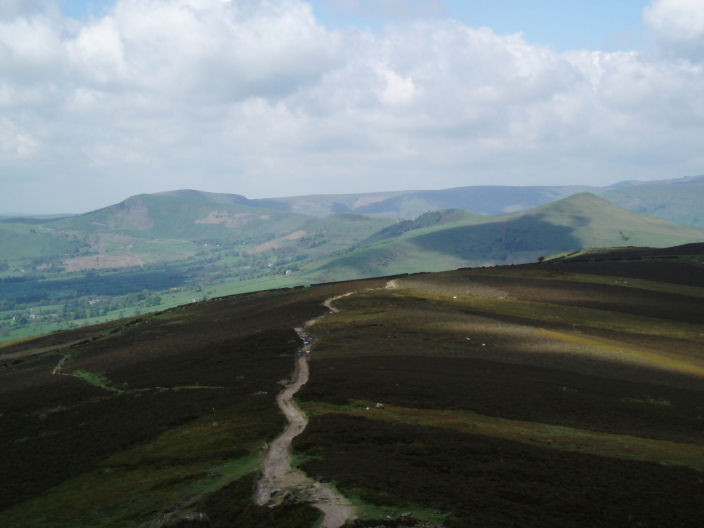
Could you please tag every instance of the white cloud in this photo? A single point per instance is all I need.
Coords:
(223, 50)
(382, 9)
(258, 98)
(676, 19)
(397, 89)
(98, 52)
(14, 8)
(679, 28)
(15, 143)
(30, 48)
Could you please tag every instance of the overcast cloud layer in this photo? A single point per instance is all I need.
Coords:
(259, 98)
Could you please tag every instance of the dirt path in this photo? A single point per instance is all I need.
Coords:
(279, 481)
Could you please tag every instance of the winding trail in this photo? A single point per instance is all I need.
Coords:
(279, 481)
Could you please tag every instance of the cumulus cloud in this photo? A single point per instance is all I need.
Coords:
(676, 19)
(258, 97)
(679, 27)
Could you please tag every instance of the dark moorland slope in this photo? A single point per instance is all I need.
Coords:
(108, 425)
(565, 393)
(562, 394)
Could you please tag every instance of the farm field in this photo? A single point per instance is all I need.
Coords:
(564, 393)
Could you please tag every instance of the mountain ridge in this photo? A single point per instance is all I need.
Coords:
(154, 251)
(675, 199)
(579, 221)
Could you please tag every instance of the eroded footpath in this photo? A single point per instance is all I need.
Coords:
(279, 481)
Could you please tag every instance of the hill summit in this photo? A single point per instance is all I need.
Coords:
(576, 222)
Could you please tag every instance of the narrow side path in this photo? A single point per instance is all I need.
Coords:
(279, 480)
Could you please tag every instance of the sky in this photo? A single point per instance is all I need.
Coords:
(104, 99)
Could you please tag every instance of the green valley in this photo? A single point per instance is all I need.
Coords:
(156, 251)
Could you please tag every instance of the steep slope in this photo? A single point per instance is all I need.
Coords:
(579, 221)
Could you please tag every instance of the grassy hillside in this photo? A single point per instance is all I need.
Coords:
(59, 273)
(677, 200)
(565, 393)
(527, 395)
(184, 216)
(55, 273)
(580, 221)
(431, 219)
(153, 228)
(111, 424)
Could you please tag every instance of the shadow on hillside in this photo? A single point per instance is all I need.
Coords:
(499, 241)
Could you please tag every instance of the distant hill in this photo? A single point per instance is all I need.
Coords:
(430, 219)
(151, 228)
(188, 224)
(411, 204)
(677, 200)
(153, 251)
(580, 221)
(680, 200)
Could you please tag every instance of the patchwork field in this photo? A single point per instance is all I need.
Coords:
(553, 394)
